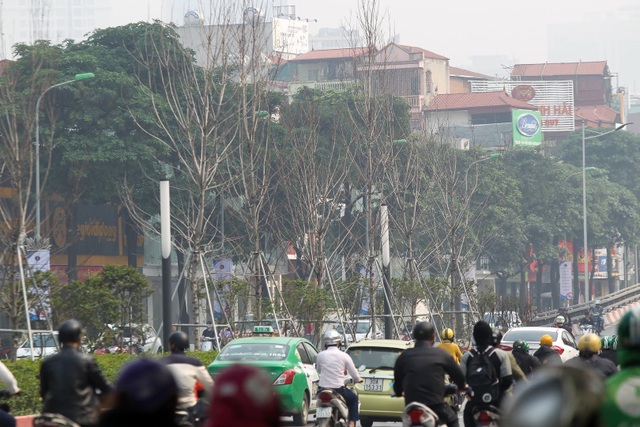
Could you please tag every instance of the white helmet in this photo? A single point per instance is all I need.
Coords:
(332, 337)
(597, 302)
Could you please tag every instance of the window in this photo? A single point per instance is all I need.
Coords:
(428, 81)
(304, 357)
(374, 357)
(313, 354)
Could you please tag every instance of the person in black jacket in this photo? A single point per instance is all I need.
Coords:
(589, 346)
(418, 374)
(545, 354)
(484, 339)
(70, 380)
(527, 362)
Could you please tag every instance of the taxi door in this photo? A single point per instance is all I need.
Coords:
(308, 356)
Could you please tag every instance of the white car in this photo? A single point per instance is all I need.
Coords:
(362, 330)
(563, 342)
(139, 338)
(44, 344)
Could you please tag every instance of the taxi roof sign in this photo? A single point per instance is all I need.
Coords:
(259, 330)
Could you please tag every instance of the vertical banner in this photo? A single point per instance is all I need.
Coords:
(566, 270)
(222, 270)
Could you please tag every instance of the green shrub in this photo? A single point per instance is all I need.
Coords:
(27, 371)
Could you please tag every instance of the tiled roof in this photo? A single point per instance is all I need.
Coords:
(551, 69)
(323, 54)
(427, 53)
(596, 115)
(461, 72)
(466, 101)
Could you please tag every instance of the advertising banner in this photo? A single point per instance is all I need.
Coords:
(566, 270)
(527, 129)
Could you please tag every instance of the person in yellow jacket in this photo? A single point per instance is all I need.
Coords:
(449, 346)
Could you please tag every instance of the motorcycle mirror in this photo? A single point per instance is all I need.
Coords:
(362, 367)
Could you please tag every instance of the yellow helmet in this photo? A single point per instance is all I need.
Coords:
(590, 343)
(546, 340)
(447, 334)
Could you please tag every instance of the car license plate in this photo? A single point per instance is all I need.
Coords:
(324, 412)
(373, 384)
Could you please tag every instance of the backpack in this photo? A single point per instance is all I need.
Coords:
(482, 376)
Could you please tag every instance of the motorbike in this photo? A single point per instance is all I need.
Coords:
(207, 344)
(598, 323)
(331, 408)
(587, 328)
(486, 416)
(416, 414)
(53, 420)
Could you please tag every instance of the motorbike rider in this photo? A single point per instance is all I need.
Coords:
(587, 319)
(560, 323)
(187, 371)
(526, 362)
(597, 313)
(558, 396)
(209, 333)
(483, 337)
(419, 373)
(610, 348)
(70, 380)
(545, 354)
(518, 374)
(332, 365)
(621, 400)
(564, 312)
(449, 346)
(9, 381)
(589, 345)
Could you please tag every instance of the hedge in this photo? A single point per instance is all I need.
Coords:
(26, 372)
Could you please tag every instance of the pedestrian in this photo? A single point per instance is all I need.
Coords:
(545, 354)
(244, 396)
(488, 372)
(589, 347)
(187, 371)
(419, 374)
(621, 406)
(71, 383)
(146, 393)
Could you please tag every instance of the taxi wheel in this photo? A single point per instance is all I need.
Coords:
(300, 419)
(365, 422)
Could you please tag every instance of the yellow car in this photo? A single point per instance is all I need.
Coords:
(378, 358)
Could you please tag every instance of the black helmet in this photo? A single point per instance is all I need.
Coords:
(496, 337)
(179, 340)
(423, 331)
(521, 345)
(70, 331)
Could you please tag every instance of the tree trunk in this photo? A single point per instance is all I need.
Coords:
(72, 239)
(576, 277)
(611, 281)
(555, 283)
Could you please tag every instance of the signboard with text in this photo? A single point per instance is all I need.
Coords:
(554, 99)
(527, 131)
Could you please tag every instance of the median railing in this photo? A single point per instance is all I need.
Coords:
(609, 302)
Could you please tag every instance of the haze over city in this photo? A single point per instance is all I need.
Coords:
(484, 36)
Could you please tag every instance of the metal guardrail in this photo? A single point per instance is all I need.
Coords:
(609, 302)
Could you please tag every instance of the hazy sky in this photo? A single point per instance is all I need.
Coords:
(458, 29)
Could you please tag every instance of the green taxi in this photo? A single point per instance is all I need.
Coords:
(290, 363)
(378, 358)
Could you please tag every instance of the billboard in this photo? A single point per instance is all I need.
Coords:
(527, 129)
(290, 36)
(554, 99)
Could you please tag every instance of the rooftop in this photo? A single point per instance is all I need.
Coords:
(466, 101)
(427, 53)
(553, 69)
(461, 72)
(324, 54)
(596, 115)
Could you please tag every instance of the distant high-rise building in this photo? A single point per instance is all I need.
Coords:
(335, 38)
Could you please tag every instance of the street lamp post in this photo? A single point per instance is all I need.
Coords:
(584, 203)
(77, 77)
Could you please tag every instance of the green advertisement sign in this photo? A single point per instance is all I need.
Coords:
(527, 129)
